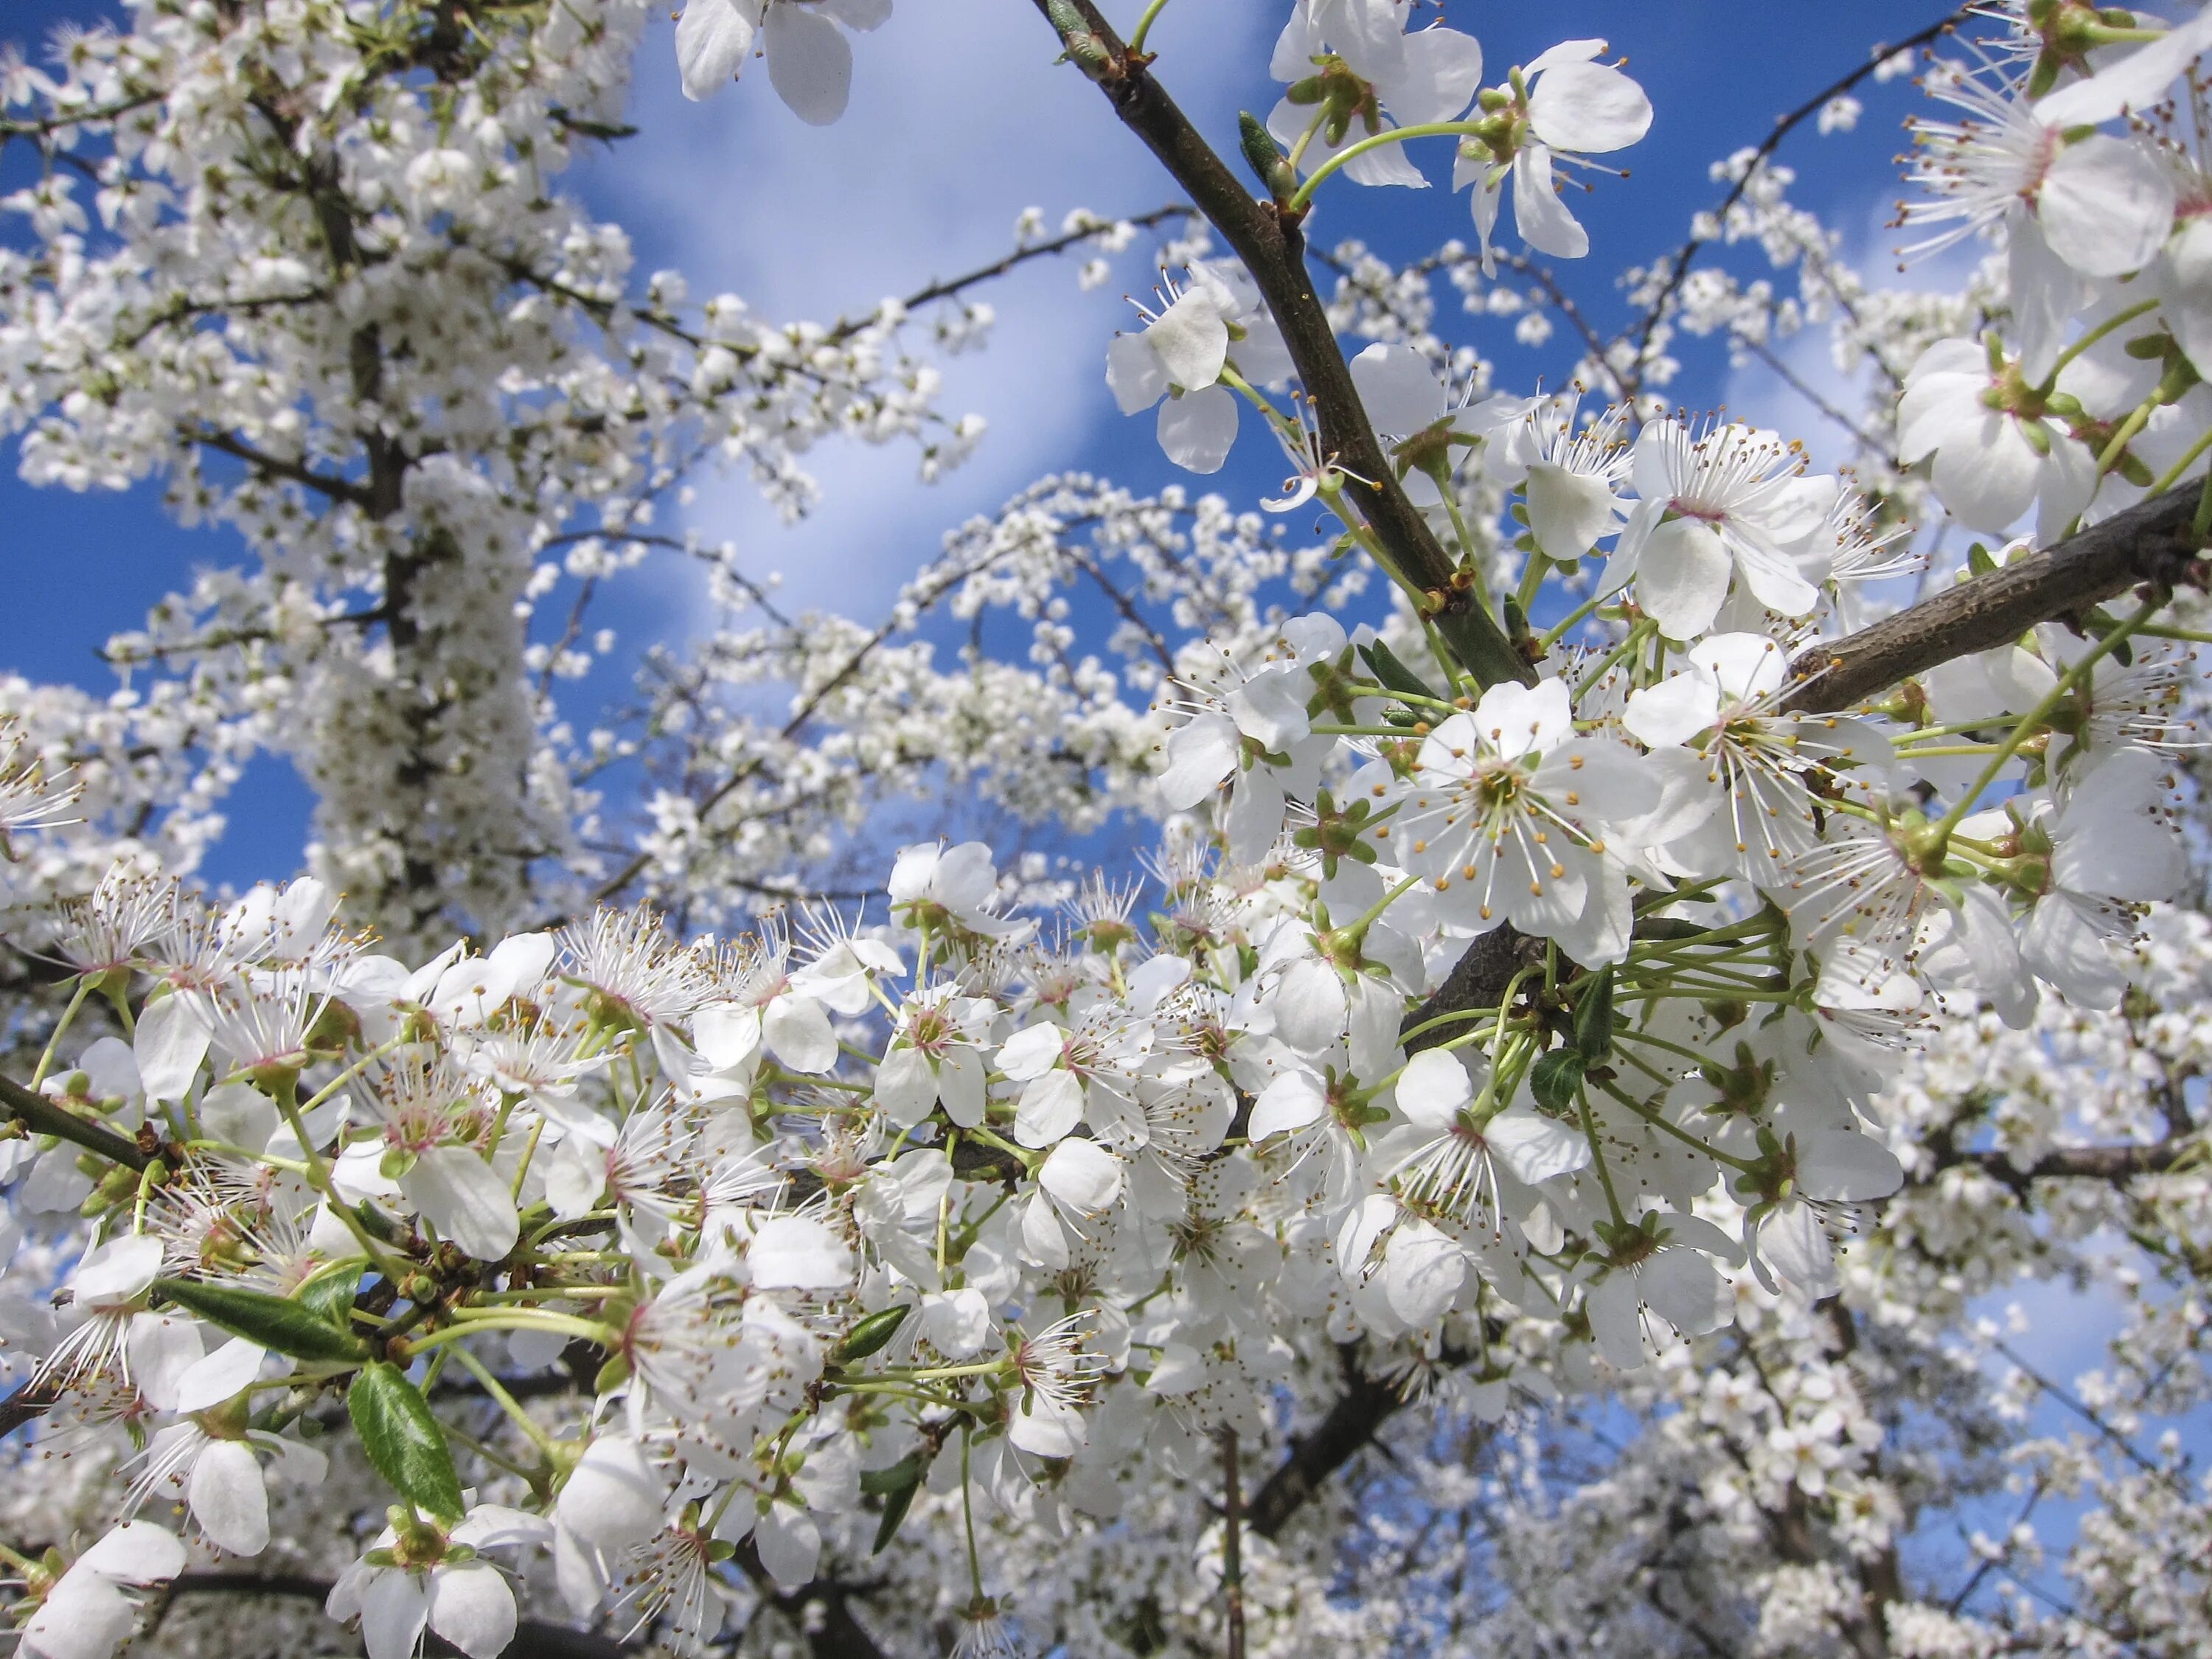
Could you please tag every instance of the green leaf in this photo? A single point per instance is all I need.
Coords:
(1556, 1079)
(1594, 1019)
(896, 1503)
(329, 1295)
(403, 1440)
(1383, 663)
(882, 1483)
(870, 1333)
(274, 1322)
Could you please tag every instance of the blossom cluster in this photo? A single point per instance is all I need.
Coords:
(1516, 1033)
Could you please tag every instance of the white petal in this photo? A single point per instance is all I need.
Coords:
(1433, 1088)
(2134, 82)
(1198, 429)
(1082, 1174)
(790, 1545)
(1134, 373)
(2106, 206)
(1682, 576)
(613, 1497)
(466, 1200)
(712, 39)
(220, 1375)
(1674, 710)
(1045, 1428)
(471, 1607)
(83, 1617)
(1838, 1165)
(1542, 218)
(169, 1044)
(1567, 512)
(798, 1253)
(1294, 1100)
(1441, 72)
(1049, 1107)
(1685, 1290)
(117, 1271)
(796, 1031)
(1400, 391)
(728, 1033)
(1587, 108)
(392, 1610)
(1423, 1271)
(1191, 340)
(136, 1553)
(810, 63)
(229, 1498)
(1532, 1147)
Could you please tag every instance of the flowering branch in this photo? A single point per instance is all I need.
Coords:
(1272, 247)
(42, 1116)
(2152, 542)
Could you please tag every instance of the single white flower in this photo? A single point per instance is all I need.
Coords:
(1717, 501)
(1563, 106)
(1506, 810)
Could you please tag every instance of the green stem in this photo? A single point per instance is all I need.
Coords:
(47, 1054)
(2118, 320)
(1597, 1157)
(1144, 26)
(2173, 474)
(2034, 718)
(508, 1403)
(1552, 636)
(591, 1331)
(1394, 136)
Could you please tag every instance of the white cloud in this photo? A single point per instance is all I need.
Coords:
(960, 119)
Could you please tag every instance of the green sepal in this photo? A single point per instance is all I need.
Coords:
(277, 1322)
(402, 1439)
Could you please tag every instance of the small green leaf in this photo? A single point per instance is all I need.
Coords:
(1556, 1079)
(896, 1503)
(1594, 1019)
(403, 1440)
(329, 1295)
(870, 1333)
(881, 1483)
(275, 1322)
(1383, 663)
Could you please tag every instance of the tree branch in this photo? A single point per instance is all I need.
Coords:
(1272, 248)
(2112, 1163)
(1350, 1425)
(41, 1116)
(534, 1638)
(822, 1611)
(2152, 542)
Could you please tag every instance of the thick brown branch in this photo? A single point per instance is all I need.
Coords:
(1272, 248)
(2152, 542)
(1351, 1424)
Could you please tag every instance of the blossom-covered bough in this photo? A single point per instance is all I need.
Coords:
(1623, 971)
